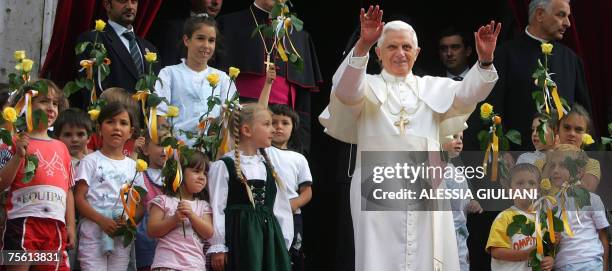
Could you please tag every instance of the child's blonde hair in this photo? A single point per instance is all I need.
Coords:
(246, 115)
(523, 167)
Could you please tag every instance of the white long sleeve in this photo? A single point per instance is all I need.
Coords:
(348, 81)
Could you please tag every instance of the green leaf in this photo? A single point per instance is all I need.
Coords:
(153, 100)
(521, 219)
(293, 58)
(610, 128)
(513, 229)
(582, 197)
(99, 56)
(140, 191)
(104, 71)
(15, 81)
(81, 47)
(504, 144)
(529, 229)
(169, 141)
(39, 119)
(268, 32)
(141, 84)
(30, 168)
(41, 87)
(297, 23)
(514, 136)
(128, 237)
(558, 224)
(606, 140)
(276, 10)
(70, 88)
(88, 84)
(257, 29)
(5, 136)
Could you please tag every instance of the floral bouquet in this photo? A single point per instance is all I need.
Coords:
(493, 140)
(130, 196)
(96, 68)
(283, 23)
(22, 118)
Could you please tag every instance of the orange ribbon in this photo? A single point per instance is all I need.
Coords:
(129, 202)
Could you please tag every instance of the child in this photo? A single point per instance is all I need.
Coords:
(99, 178)
(247, 196)
(453, 146)
(36, 222)
(293, 169)
(182, 225)
(153, 180)
(131, 146)
(73, 127)
(512, 252)
(185, 85)
(570, 130)
(588, 248)
(540, 147)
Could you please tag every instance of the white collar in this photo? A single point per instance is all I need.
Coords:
(120, 29)
(462, 75)
(534, 37)
(257, 6)
(410, 78)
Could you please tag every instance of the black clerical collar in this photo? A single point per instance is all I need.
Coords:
(259, 12)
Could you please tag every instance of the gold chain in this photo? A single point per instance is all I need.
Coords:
(260, 34)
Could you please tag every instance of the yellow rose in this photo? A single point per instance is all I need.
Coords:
(150, 57)
(173, 111)
(233, 72)
(285, 9)
(26, 65)
(545, 184)
(20, 55)
(486, 110)
(141, 165)
(9, 114)
(93, 114)
(213, 79)
(546, 48)
(100, 25)
(587, 139)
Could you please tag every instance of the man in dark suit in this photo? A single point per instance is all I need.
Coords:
(455, 50)
(517, 59)
(125, 50)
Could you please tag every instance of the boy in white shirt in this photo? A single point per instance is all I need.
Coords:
(294, 171)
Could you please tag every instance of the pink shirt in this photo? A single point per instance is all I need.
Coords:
(174, 250)
(282, 91)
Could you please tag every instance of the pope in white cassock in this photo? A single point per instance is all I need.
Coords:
(398, 111)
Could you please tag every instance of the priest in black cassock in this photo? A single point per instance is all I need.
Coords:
(517, 59)
(248, 53)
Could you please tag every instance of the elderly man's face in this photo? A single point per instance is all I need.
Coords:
(453, 52)
(212, 7)
(122, 12)
(555, 20)
(398, 52)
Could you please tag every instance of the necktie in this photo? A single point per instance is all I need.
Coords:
(458, 78)
(134, 51)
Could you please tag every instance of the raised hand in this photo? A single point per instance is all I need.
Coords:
(486, 40)
(371, 29)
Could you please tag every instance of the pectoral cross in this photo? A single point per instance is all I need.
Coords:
(268, 63)
(403, 121)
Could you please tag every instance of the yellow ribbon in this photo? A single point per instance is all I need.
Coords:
(281, 51)
(152, 123)
(551, 226)
(129, 203)
(178, 177)
(495, 147)
(141, 96)
(557, 100)
(26, 102)
(539, 243)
